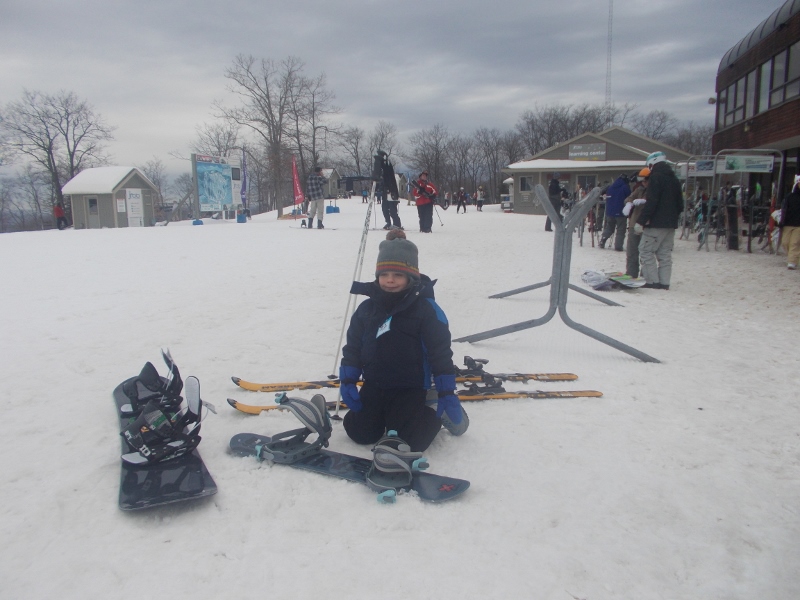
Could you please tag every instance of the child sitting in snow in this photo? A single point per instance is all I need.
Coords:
(398, 338)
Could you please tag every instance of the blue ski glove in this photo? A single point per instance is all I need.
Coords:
(448, 400)
(348, 376)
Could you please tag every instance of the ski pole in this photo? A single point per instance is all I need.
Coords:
(376, 172)
(437, 214)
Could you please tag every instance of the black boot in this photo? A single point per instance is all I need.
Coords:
(319, 224)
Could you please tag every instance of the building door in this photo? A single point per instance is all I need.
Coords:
(587, 182)
(94, 214)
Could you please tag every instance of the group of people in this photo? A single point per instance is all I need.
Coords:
(648, 212)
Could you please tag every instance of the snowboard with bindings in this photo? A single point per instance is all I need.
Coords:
(429, 487)
(147, 485)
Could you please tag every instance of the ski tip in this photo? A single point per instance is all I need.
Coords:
(236, 380)
(232, 402)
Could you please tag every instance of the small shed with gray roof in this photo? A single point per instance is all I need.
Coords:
(111, 197)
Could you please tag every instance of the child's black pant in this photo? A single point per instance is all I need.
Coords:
(401, 409)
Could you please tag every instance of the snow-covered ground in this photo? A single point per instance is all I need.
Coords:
(681, 482)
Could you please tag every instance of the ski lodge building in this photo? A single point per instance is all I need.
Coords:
(111, 197)
(587, 160)
(758, 94)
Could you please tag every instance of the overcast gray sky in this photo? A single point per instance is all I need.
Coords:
(153, 68)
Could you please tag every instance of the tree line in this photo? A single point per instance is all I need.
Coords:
(279, 111)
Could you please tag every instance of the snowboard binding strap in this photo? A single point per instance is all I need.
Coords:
(149, 386)
(157, 436)
(393, 466)
(290, 446)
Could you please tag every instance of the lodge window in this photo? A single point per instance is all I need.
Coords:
(763, 90)
(525, 184)
(773, 82)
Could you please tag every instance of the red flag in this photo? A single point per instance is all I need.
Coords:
(299, 198)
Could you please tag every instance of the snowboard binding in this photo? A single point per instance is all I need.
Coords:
(393, 467)
(150, 387)
(290, 446)
(157, 435)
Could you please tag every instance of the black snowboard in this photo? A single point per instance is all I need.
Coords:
(429, 487)
(177, 480)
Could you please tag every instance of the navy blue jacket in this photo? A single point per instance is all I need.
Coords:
(413, 347)
(617, 192)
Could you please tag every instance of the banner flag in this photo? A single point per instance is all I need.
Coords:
(299, 198)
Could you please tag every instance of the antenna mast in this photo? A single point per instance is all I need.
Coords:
(608, 56)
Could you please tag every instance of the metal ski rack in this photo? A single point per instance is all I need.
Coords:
(559, 280)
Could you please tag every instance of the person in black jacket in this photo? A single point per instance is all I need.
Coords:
(398, 340)
(554, 194)
(790, 225)
(658, 221)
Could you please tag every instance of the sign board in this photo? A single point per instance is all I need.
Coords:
(698, 168)
(121, 205)
(587, 151)
(745, 164)
(135, 207)
(218, 182)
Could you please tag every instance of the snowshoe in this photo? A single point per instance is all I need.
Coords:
(158, 435)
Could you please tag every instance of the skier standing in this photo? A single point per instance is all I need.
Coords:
(658, 221)
(461, 198)
(617, 193)
(315, 188)
(424, 195)
(397, 339)
(480, 198)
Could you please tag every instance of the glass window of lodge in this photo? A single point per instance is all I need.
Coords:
(778, 78)
(763, 90)
(793, 72)
(750, 99)
(525, 184)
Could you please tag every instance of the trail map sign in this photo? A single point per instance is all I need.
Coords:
(218, 182)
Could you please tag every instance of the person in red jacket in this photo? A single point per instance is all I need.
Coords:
(61, 220)
(425, 195)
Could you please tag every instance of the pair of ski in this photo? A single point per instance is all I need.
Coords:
(471, 376)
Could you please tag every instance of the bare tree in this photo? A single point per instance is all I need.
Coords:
(217, 139)
(33, 195)
(264, 88)
(692, 138)
(310, 106)
(657, 124)
(490, 145)
(156, 172)
(383, 137)
(352, 141)
(60, 132)
(429, 151)
(513, 147)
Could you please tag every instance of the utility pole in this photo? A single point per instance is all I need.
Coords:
(608, 55)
